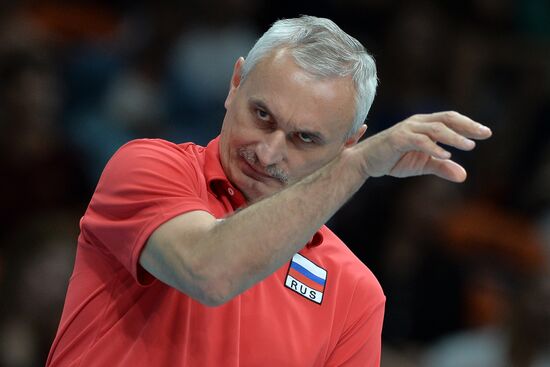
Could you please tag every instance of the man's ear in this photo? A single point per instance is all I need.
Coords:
(352, 140)
(235, 81)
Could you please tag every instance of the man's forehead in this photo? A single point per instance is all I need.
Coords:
(281, 60)
(280, 67)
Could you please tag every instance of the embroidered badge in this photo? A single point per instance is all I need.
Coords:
(306, 278)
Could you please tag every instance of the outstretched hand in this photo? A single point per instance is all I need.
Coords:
(410, 148)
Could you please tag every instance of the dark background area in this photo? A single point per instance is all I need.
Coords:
(465, 267)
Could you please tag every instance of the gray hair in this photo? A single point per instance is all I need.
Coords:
(323, 50)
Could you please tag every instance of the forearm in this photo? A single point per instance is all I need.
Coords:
(215, 260)
(246, 247)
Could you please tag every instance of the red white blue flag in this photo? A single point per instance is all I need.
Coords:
(306, 278)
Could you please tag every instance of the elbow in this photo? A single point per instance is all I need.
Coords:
(214, 293)
(210, 280)
(214, 300)
(211, 287)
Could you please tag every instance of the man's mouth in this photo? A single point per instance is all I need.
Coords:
(271, 172)
(255, 173)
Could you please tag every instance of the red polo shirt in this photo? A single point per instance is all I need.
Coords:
(322, 308)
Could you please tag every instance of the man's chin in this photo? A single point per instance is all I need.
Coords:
(258, 191)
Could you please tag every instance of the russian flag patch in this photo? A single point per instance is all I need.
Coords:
(306, 278)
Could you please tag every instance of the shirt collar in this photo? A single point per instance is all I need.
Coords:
(216, 179)
(219, 184)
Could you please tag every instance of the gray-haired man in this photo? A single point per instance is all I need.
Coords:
(169, 272)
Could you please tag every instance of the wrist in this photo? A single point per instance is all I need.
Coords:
(353, 162)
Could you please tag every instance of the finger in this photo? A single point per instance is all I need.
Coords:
(463, 125)
(445, 169)
(440, 133)
(422, 143)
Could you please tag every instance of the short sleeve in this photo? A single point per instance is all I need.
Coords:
(146, 183)
(361, 341)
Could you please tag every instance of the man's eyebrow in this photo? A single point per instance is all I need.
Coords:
(261, 104)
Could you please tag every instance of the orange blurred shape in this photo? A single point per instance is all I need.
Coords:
(73, 22)
(480, 228)
(485, 303)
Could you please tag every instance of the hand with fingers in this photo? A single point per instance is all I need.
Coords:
(410, 148)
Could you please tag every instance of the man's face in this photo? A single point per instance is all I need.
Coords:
(282, 124)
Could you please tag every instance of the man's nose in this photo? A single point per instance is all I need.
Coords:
(272, 149)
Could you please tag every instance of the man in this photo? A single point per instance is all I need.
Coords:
(217, 256)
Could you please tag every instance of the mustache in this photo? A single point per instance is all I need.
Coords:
(271, 170)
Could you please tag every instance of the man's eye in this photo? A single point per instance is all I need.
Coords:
(306, 138)
(262, 115)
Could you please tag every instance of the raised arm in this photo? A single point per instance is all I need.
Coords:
(214, 260)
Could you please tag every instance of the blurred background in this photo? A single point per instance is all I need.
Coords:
(465, 267)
